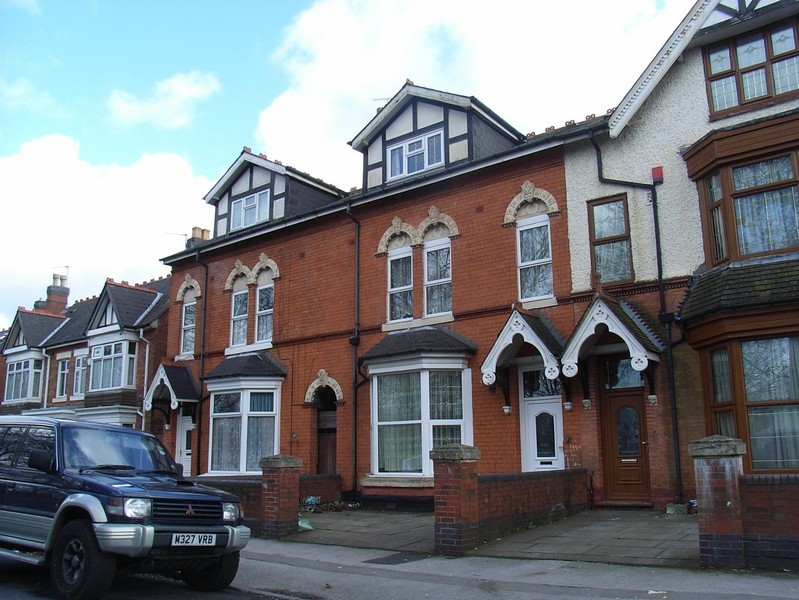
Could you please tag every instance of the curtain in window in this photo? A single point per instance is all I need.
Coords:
(445, 395)
(226, 440)
(399, 397)
(720, 374)
(767, 220)
(399, 446)
(260, 440)
(771, 374)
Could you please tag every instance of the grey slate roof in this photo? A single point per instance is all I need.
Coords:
(73, 330)
(141, 305)
(754, 283)
(420, 340)
(259, 364)
(37, 326)
(545, 332)
(182, 383)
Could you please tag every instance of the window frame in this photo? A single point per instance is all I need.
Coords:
(267, 313)
(245, 390)
(237, 319)
(735, 72)
(734, 410)
(187, 328)
(407, 151)
(612, 238)
(424, 367)
(396, 254)
(79, 380)
(62, 378)
(126, 355)
(431, 247)
(29, 372)
(260, 207)
(527, 224)
(724, 207)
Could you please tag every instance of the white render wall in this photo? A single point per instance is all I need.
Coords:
(673, 117)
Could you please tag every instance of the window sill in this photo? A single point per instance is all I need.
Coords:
(247, 348)
(412, 323)
(185, 356)
(402, 481)
(542, 303)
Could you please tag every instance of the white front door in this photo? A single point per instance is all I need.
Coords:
(183, 443)
(541, 422)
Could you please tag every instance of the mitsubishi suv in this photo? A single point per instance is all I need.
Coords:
(86, 499)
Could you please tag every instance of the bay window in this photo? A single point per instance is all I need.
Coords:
(24, 379)
(113, 365)
(754, 395)
(243, 429)
(415, 411)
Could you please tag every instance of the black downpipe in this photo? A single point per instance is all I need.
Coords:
(665, 318)
(355, 340)
(198, 412)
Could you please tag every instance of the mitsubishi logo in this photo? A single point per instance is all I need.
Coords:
(190, 511)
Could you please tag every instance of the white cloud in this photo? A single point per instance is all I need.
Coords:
(102, 221)
(170, 106)
(536, 64)
(22, 94)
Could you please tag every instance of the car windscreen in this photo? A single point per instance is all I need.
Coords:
(86, 448)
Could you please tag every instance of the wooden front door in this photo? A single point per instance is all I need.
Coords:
(624, 444)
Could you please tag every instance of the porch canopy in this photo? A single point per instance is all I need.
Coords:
(172, 385)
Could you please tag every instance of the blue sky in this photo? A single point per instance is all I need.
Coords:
(117, 116)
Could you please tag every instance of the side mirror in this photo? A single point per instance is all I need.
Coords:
(41, 460)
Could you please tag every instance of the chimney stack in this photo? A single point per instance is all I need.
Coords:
(57, 296)
(198, 235)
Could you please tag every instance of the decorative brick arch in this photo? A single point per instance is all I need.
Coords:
(264, 263)
(239, 270)
(398, 228)
(323, 380)
(189, 283)
(529, 195)
(436, 217)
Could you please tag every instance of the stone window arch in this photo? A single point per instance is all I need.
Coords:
(188, 284)
(239, 270)
(437, 225)
(529, 202)
(398, 235)
(323, 380)
(264, 264)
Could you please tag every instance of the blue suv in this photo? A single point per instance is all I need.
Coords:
(86, 499)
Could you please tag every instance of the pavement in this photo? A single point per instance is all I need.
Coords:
(603, 554)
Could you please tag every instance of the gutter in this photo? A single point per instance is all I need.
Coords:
(664, 317)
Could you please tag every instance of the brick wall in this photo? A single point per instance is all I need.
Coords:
(770, 520)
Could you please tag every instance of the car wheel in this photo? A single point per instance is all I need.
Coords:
(79, 570)
(215, 577)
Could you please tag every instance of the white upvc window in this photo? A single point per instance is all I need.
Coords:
(244, 429)
(79, 383)
(437, 277)
(109, 317)
(414, 411)
(415, 155)
(265, 313)
(24, 379)
(400, 284)
(61, 380)
(534, 256)
(113, 366)
(249, 210)
(238, 319)
(187, 329)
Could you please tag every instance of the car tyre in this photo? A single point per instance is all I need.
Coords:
(79, 570)
(216, 577)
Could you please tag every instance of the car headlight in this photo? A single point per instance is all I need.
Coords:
(132, 508)
(231, 511)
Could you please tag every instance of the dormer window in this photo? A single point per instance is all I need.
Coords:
(249, 210)
(752, 69)
(415, 155)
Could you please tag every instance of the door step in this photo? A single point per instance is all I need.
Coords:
(623, 504)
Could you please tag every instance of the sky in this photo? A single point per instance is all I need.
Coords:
(118, 116)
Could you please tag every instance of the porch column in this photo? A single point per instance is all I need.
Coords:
(718, 465)
(280, 482)
(455, 492)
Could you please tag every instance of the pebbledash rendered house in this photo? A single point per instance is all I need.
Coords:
(593, 297)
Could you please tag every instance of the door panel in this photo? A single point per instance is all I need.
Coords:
(626, 463)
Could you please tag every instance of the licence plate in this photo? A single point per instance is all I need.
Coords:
(193, 539)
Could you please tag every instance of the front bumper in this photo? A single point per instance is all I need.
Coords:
(138, 541)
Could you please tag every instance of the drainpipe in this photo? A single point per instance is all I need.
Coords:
(665, 317)
(197, 411)
(46, 381)
(146, 371)
(355, 340)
